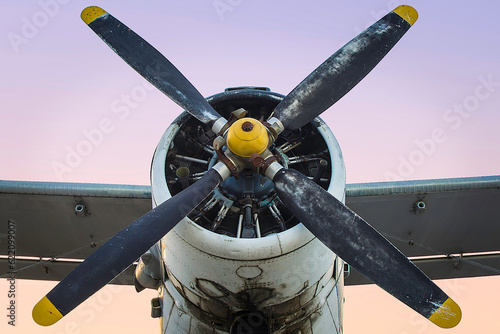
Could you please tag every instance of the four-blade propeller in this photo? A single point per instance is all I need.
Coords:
(339, 228)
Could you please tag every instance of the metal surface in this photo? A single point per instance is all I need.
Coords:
(286, 276)
(460, 215)
(55, 270)
(356, 242)
(341, 72)
(214, 277)
(123, 249)
(75, 189)
(47, 224)
(153, 66)
(443, 268)
(212, 283)
(186, 137)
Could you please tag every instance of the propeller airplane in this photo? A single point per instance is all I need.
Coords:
(248, 182)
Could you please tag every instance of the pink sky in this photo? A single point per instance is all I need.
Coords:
(62, 81)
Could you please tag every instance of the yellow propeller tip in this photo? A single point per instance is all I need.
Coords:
(408, 13)
(448, 315)
(45, 313)
(91, 13)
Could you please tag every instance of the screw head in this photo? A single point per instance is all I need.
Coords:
(247, 126)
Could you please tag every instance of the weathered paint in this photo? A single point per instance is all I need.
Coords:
(110, 259)
(352, 238)
(290, 277)
(149, 63)
(341, 72)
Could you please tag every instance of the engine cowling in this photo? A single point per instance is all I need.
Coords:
(259, 260)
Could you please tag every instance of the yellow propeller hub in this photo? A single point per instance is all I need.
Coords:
(247, 136)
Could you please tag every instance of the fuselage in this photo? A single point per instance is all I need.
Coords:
(259, 268)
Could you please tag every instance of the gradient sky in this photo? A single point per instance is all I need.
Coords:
(403, 121)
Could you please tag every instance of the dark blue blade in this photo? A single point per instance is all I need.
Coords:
(152, 65)
(123, 249)
(360, 245)
(342, 71)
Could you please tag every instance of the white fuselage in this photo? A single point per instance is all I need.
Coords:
(290, 279)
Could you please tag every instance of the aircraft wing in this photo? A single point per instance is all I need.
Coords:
(448, 227)
(57, 225)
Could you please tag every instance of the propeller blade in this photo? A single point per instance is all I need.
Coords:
(122, 250)
(344, 69)
(149, 63)
(360, 245)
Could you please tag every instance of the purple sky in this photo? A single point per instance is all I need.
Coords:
(428, 110)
